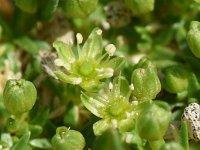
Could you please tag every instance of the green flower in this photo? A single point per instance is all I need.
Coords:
(90, 66)
(113, 107)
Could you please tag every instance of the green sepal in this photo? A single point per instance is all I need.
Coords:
(92, 48)
(64, 51)
(94, 105)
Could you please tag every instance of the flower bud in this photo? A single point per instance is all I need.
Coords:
(171, 146)
(140, 6)
(145, 81)
(176, 79)
(66, 139)
(153, 121)
(193, 37)
(19, 96)
(79, 8)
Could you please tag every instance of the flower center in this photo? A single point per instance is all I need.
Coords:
(86, 68)
(116, 108)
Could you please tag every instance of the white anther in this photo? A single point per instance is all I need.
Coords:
(128, 114)
(110, 49)
(110, 86)
(131, 87)
(129, 138)
(114, 123)
(99, 31)
(79, 38)
(109, 72)
(58, 62)
(99, 70)
(77, 80)
(71, 60)
(135, 103)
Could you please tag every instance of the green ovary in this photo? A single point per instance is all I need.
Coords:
(86, 68)
(117, 108)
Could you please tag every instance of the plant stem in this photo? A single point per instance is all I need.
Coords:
(157, 144)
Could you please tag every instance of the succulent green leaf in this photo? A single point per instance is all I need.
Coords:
(41, 143)
(47, 9)
(176, 79)
(93, 46)
(139, 7)
(171, 146)
(153, 121)
(27, 44)
(101, 126)
(29, 6)
(78, 8)
(22, 143)
(193, 38)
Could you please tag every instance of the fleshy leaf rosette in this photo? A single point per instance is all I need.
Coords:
(90, 66)
(113, 107)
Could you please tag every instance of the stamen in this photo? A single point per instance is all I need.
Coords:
(109, 72)
(99, 32)
(79, 38)
(110, 49)
(131, 87)
(58, 62)
(77, 80)
(114, 123)
(110, 86)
